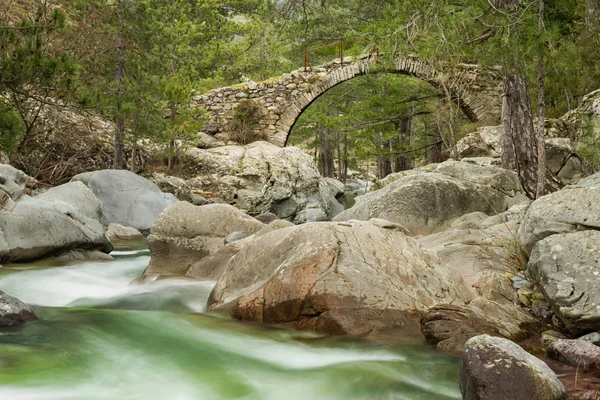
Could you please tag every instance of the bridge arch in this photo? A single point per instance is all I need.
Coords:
(282, 100)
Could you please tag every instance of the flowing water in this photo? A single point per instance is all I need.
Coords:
(100, 337)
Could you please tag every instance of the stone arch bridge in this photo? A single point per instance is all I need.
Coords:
(282, 100)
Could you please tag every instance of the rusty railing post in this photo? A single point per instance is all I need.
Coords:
(305, 59)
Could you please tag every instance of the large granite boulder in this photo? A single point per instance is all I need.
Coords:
(568, 210)
(127, 199)
(494, 368)
(13, 311)
(64, 218)
(335, 278)
(428, 202)
(184, 234)
(565, 266)
(261, 177)
(12, 186)
(592, 181)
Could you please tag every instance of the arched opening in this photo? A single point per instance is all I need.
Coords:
(378, 124)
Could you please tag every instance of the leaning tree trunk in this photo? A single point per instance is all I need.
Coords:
(435, 152)
(326, 166)
(118, 162)
(518, 142)
(403, 161)
(541, 128)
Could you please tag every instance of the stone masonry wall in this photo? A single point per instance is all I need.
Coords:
(282, 100)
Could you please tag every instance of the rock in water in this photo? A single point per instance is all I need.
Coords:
(335, 278)
(117, 232)
(497, 369)
(184, 234)
(64, 218)
(566, 269)
(13, 311)
(128, 199)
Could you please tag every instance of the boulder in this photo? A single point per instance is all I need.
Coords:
(183, 234)
(12, 181)
(13, 311)
(235, 236)
(179, 188)
(483, 143)
(472, 252)
(592, 181)
(261, 177)
(128, 199)
(593, 337)
(494, 368)
(562, 160)
(428, 202)
(549, 337)
(568, 210)
(334, 278)
(116, 232)
(449, 327)
(578, 353)
(566, 269)
(210, 268)
(63, 218)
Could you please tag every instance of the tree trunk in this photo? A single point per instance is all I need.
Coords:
(592, 14)
(384, 165)
(541, 129)
(339, 156)
(345, 160)
(403, 162)
(326, 166)
(118, 162)
(435, 152)
(518, 141)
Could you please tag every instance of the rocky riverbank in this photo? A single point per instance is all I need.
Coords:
(453, 247)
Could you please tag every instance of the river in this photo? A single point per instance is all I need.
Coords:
(101, 337)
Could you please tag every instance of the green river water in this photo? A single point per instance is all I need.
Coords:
(99, 337)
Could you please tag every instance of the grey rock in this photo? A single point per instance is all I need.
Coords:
(469, 221)
(261, 177)
(116, 232)
(266, 218)
(414, 201)
(495, 368)
(62, 219)
(549, 337)
(235, 236)
(184, 234)
(593, 337)
(592, 181)
(128, 199)
(566, 269)
(565, 211)
(13, 311)
(12, 181)
(578, 353)
(83, 255)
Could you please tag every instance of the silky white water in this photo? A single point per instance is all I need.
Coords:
(101, 337)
